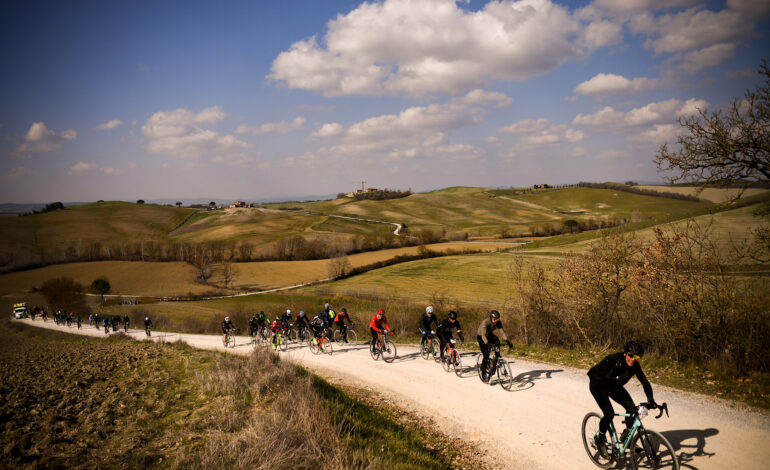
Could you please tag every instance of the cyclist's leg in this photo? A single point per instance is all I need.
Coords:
(602, 397)
(485, 353)
(374, 336)
(621, 396)
(494, 342)
(443, 340)
(423, 337)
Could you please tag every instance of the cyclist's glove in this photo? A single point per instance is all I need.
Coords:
(651, 403)
(510, 345)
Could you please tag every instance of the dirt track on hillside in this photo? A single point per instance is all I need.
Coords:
(537, 423)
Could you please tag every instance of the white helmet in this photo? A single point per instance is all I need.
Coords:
(326, 305)
(429, 309)
(288, 312)
(146, 318)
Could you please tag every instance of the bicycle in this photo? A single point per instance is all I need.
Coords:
(228, 340)
(322, 344)
(452, 358)
(345, 334)
(647, 448)
(302, 331)
(501, 366)
(147, 330)
(430, 348)
(383, 347)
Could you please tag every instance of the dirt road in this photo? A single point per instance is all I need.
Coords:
(536, 425)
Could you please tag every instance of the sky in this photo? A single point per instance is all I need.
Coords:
(259, 100)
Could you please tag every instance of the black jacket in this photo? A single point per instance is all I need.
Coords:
(446, 327)
(613, 372)
(425, 322)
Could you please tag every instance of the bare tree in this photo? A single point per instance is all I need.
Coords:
(338, 266)
(228, 273)
(724, 147)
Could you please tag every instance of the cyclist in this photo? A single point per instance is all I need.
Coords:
(126, 322)
(375, 326)
(425, 321)
(147, 324)
(301, 321)
(329, 315)
(275, 327)
(253, 325)
(262, 320)
(317, 326)
(226, 325)
(444, 330)
(80, 321)
(487, 340)
(339, 320)
(607, 379)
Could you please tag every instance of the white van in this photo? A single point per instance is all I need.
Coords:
(20, 310)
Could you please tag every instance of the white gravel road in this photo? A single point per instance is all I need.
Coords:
(536, 425)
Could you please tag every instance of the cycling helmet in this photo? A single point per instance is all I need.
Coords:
(261, 312)
(381, 311)
(429, 309)
(634, 348)
(494, 314)
(326, 305)
(146, 318)
(302, 314)
(452, 315)
(227, 318)
(288, 312)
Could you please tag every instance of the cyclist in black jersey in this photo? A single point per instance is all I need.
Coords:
(426, 320)
(446, 328)
(607, 379)
(226, 325)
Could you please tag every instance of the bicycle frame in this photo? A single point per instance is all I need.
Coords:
(622, 446)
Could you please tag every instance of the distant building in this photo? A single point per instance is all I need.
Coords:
(238, 204)
(541, 186)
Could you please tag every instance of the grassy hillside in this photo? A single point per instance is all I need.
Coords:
(484, 212)
(714, 195)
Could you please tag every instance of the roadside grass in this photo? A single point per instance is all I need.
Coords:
(173, 406)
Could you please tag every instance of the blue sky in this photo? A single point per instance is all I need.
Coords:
(257, 100)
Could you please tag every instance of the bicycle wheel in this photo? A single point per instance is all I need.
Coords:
(231, 340)
(374, 350)
(590, 428)
(337, 337)
(435, 351)
(447, 362)
(314, 346)
(389, 351)
(504, 374)
(458, 363)
(291, 335)
(352, 337)
(649, 449)
(326, 345)
(424, 352)
(224, 341)
(479, 360)
(282, 343)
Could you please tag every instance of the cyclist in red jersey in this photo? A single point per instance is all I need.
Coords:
(375, 326)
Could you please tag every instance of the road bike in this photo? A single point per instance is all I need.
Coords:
(147, 330)
(125, 326)
(497, 365)
(646, 448)
(228, 340)
(430, 348)
(302, 332)
(383, 348)
(346, 335)
(452, 360)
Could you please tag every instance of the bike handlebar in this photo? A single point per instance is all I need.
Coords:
(663, 407)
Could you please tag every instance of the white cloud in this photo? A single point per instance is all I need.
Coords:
(81, 167)
(525, 126)
(282, 127)
(609, 84)
(16, 172)
(492, 139)
(108, 125)
(329, 130)
(659, 134)
(555, 134)
(696, 61)
(40, 138)
(401, 47)
(177, 133)
(578, 152)
(635, 6)
(486, 98)
(658, 112)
